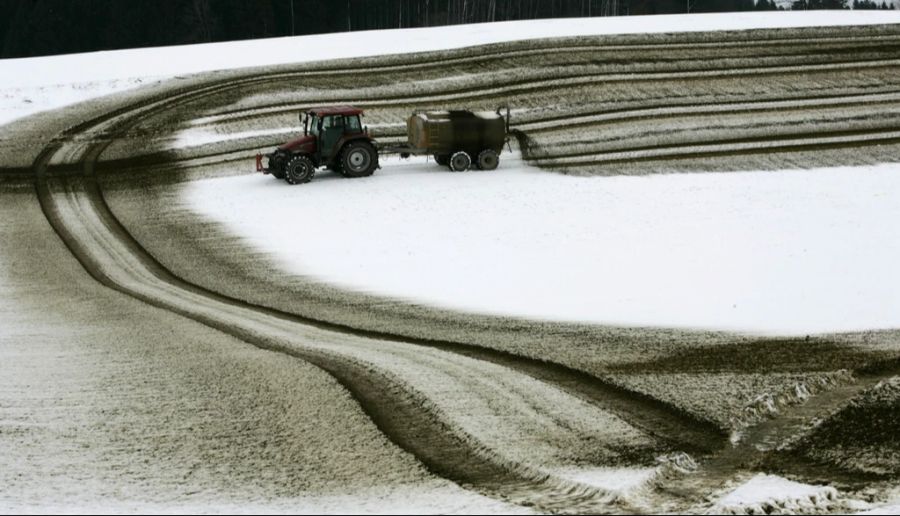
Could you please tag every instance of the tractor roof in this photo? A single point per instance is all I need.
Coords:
(335, 110)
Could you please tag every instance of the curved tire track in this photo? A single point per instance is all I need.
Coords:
(521, 87)
(726, 147)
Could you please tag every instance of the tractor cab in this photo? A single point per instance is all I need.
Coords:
(333, 137)
(329, 127)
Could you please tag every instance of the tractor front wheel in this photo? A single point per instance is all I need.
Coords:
(359, 159)
(298, 170)
(277, 164)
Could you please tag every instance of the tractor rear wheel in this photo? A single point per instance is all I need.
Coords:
(359, 159)
(442, 159)
(460, 161)
(299, 170)
(488, 159)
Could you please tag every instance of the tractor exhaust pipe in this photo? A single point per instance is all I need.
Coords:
(500, 113)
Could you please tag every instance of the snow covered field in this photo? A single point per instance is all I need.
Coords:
(19, 101)
(786, 252)
(30, 85)
(794, 252)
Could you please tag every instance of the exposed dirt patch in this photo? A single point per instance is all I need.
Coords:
(764, 356)
(863, 438)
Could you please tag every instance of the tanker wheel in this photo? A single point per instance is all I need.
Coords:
(442, 159)
(488, 159)
(460, 162)
(359, 159)
(299, 170)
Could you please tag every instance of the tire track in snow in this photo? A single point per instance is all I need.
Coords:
(673, 110)
(525, 86)
(727, 147)
(590, 44)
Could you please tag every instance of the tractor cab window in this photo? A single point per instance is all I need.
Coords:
(331, 122)
(314, 125)
(351, 124)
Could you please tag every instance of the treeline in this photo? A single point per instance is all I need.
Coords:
(869, 4)
(839, 4)
(45, 27)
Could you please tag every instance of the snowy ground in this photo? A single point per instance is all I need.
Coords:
(891, 505)
(885, 510)
(767, 494)
(30, 85)
(796, 252)
(23, 100)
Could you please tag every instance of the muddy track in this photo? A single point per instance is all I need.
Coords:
(660, 110)
(526, 86)
(727, 147)
(756, 446)
(502, 52)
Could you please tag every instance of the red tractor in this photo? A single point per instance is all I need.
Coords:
(333, 137)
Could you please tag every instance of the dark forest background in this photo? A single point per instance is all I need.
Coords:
(45, 27)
